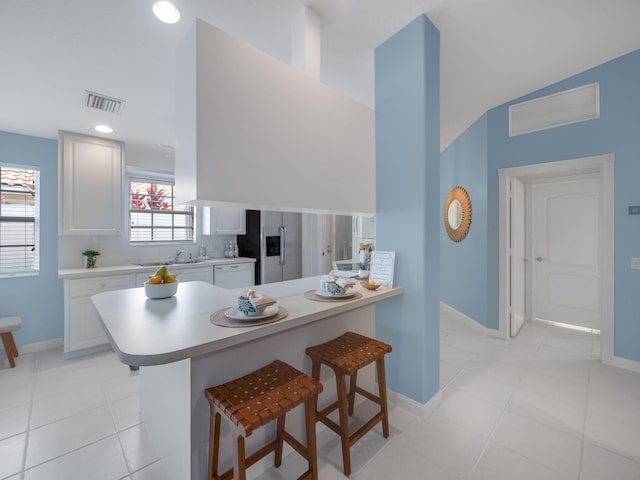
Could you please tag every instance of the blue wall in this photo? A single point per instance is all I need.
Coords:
(616, 131)
(463, 271)
(407, 79)
(37, 299)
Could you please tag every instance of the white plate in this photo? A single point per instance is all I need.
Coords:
(322, 293)
(234, 314)
(343, 273)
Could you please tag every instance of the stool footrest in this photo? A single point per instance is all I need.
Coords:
(252, 459)
(345, 355)
(369, 395)
(257, 399)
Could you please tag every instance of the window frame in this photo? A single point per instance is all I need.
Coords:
(35, 271)
(154, 177)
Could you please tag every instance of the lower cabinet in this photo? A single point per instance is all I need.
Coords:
(234, 275)
(83, 331)
(82, 326)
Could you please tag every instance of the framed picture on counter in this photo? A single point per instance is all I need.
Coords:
(381, 267)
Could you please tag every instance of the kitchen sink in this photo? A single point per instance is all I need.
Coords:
(167, 262)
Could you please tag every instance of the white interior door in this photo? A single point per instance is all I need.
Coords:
(325, 243)
(292, 267)
(518, 256)
(567, 251)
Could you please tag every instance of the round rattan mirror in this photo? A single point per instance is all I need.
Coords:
(457, 214)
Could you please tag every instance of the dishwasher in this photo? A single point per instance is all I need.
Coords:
(234, 275)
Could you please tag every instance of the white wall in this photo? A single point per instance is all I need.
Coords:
(268, 135)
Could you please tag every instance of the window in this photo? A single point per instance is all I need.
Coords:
(153, 214)
(19, 223)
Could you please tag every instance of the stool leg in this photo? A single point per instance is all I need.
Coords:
(8, 347)
(382, 391)
(315, 369)
(344, 422)
(13, 343)
(310, 406)
(214, 444)
(352, 391)
(279, 440)
(239, 468)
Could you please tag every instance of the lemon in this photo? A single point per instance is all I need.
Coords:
(161, 272)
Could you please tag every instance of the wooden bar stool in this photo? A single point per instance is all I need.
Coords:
(249, 402)
(346, 355)
(7, 326)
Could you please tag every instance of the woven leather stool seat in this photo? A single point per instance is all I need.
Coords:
(254, 400)
(349, 352)
(345, 355)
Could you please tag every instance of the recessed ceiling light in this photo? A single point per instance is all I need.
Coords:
(103, 129)
(166, 12)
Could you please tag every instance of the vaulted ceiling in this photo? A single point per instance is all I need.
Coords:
(491, 51)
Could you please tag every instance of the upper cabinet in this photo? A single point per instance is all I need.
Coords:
(228, 220)
(91, 180)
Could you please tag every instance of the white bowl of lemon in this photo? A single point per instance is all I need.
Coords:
(161, 284)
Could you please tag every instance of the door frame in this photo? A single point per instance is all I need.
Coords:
(525, 254)
(603, 165)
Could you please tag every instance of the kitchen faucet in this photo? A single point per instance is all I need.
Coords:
(178, 253)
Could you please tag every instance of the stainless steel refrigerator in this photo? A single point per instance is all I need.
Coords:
(274, 239)
(281, 253)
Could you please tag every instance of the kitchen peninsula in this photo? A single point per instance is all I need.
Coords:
(182, 352)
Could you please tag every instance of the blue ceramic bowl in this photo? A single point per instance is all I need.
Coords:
(333, 288)
(246, 307)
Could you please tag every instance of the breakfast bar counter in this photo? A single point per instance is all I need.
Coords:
(181, 352)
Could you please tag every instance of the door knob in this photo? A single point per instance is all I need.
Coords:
(540, 259)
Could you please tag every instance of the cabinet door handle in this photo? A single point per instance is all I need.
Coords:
(234, 266)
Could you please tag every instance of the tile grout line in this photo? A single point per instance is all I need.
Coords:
(504, 411)
(115, 426)
(584, 424)
(65, 453)
(490, 436)
(28, 432)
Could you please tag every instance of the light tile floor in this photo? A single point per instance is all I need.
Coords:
(537, 407)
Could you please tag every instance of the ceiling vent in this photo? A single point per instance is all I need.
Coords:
(562, 108)
(102, 102)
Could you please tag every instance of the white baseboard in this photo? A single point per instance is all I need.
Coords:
(40, 346)
(489, 331)
(626, 364)
(87, 351)
(422, 410)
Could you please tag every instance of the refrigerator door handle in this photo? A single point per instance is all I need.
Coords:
(283, 245)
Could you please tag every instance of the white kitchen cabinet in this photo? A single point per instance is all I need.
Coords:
(234, 275)
(82, 327)
(90, 185)
(228, 220)
(188, 274)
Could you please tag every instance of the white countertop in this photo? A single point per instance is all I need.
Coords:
(70, 273)
(154, 332)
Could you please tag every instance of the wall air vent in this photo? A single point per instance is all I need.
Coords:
(103, 102)
(562, 108)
